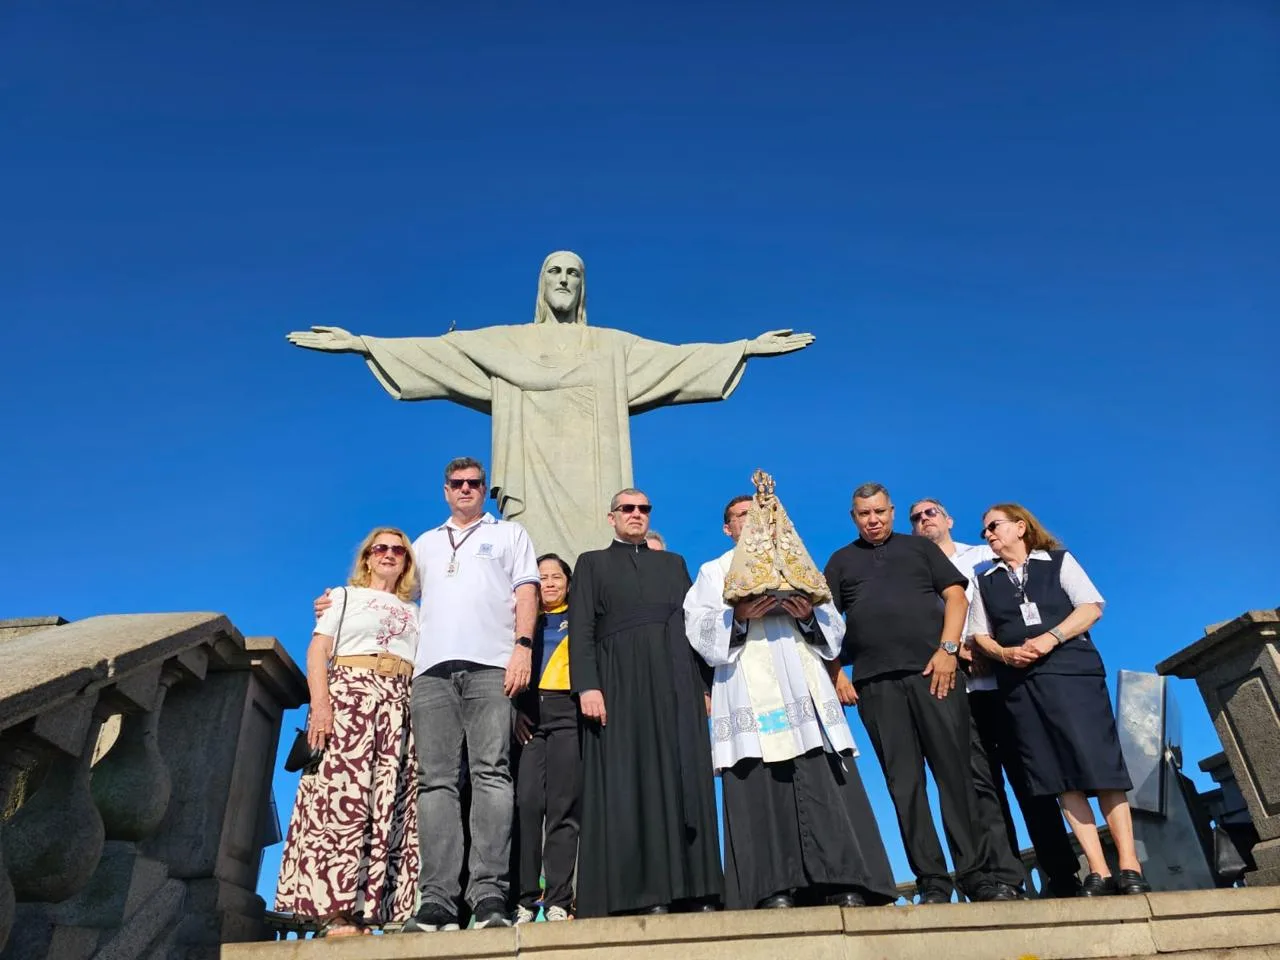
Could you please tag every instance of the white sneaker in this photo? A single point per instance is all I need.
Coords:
(554, 914)
(525, 915)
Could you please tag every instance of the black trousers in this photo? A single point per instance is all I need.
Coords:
(909, 726)
(548, 790)
(996, 760)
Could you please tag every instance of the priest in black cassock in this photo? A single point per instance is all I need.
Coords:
(648, 840)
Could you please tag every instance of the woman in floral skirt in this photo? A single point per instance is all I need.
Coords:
(351, 857)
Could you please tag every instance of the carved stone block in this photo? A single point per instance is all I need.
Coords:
(1236, 665)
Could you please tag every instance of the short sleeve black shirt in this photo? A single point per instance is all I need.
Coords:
(891, 596)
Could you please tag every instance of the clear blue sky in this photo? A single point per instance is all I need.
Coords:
(1037, 243)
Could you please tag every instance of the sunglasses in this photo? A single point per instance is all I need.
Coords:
(458, 484)
(633, 507)
(929, 512)
(991, 527)
(397, 549)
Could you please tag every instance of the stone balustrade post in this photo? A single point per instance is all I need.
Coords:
(1236, 666)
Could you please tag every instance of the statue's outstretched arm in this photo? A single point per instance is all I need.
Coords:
(329, 339)
(776, 342)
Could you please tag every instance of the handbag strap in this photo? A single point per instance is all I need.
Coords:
(342, 615)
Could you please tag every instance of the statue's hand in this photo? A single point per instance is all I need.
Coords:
(332, 339)
(778, 341)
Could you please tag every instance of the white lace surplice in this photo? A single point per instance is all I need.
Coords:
(810, 711)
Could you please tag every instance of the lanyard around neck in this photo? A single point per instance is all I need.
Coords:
(465, 537)
(1019, 579)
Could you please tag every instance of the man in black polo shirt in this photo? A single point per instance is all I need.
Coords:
(905, 606)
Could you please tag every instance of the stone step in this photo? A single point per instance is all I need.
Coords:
(1243, 924)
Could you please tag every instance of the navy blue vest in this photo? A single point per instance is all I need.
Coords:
(1077, 657)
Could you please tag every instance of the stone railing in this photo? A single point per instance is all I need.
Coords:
(136, 758)
(1236, 665)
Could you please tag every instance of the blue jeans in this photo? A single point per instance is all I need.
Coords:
(463, 703)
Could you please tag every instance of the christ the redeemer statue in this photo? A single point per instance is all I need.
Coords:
(560, 394)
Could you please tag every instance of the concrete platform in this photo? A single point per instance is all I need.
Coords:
(1241, 924)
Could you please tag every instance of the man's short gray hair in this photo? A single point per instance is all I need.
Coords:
(934, 500)
(625, 492)
(655, 535)
(869, 490)
(464, 463)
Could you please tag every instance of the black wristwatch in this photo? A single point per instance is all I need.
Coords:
(526, 642)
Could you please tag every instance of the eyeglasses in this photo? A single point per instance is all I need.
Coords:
(633, 507)
(460, 482)
(929, 512)
(397, 549)
(991, 527)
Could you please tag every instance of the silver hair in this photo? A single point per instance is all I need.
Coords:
(542, 313)
(655, 535)
(625, 491)
(869, 490)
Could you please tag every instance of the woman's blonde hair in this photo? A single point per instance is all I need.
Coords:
(1036, 537)
(407, 585)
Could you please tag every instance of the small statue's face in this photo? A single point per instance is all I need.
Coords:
(562, 284)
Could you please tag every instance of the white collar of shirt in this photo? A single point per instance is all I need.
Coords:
(486, 518)
(999, 564)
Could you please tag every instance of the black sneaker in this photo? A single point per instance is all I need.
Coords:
(430, 918)
(934, 893)
(491, 912)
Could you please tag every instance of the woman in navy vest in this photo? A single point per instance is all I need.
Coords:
(1031, 616)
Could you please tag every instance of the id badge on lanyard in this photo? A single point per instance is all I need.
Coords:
(1030, 612)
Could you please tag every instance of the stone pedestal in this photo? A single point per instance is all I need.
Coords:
(219, 739)
(1236, 665)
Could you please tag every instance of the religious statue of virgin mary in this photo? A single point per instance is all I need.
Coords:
(561, 394)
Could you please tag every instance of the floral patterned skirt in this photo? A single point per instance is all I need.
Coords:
(352, 847)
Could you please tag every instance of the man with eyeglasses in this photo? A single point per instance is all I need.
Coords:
(479, 578)
(905, 610)
(993, 754)
(647, 842)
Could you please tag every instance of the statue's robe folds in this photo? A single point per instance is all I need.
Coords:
(648, 834)
(561, 397)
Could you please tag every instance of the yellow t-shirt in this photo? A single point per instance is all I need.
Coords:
(555, 648)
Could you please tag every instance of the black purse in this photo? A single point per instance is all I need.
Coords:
(302, 756)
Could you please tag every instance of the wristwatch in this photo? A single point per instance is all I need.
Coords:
(951, 647)
(1057, 635)
(524, 642)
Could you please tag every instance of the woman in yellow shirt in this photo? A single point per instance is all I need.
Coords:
(549, 775)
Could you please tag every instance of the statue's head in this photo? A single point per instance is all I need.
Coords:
(562, 290)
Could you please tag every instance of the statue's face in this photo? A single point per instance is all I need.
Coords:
(562, 286)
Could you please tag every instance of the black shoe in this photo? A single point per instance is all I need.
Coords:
(1096, 885)
(988, 891)
(491, 912)
(846, 898)
(1131, 882)
(430, 918)
(696, 905)
(931, 894)
(656, 909)
(777, 902)
(1019, 892)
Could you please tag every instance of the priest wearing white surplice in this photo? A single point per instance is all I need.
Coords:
(798, 828)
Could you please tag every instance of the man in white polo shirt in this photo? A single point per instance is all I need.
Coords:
(993, 756)
(479, 579)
